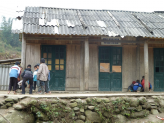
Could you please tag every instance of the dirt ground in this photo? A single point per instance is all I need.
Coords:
(149, 119)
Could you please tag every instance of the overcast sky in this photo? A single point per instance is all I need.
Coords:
(8, 7)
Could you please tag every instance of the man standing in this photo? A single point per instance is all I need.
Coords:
(14, 73)
(42, 75)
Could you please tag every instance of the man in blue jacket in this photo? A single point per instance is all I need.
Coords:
(137, 86)
(14, 73)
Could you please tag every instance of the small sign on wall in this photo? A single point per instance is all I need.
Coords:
(110, 43)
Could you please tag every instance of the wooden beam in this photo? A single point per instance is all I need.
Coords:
(86, 64)
(146, 64)
(23, 53)
(90, 40)
(138, 62)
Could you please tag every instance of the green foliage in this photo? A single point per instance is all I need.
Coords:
(9, 39)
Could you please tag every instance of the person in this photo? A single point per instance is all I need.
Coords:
(27, 75)
(130, 88)
(47, 88)
(38, 82)
(18, 79)
(42, 74)
(14, 73)
(143, 84)
(35, 78)
(137, 86)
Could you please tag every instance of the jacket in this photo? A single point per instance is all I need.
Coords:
(35, 75)
(136, 85)
(143, 84)
(43, 72)
(14, 71)
(27, 73)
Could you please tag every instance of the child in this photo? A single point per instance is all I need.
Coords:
(14, 73)
(137, 86)
(35, 77)
(27, 75)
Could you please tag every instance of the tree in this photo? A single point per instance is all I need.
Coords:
(6, 35)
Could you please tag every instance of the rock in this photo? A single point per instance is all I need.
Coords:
(33, 102)
(98, 100)
(54, 101)
(18, 117)
(76, 108)
(107, 114)
(92, 116)
(161, 110)
(150, 100)
(88, 100)
(82, 117)
(72, 100)
(147, 106)
(8, 104)
(79, 121)
(78, 100)
(91, 107)
(120, 119)
(84, 102)
(142, 100)
(134, 102)
(161, 102)
(143, 113)
(25, 102)
(117, 111)
(82, 110)
(68, 108)
(11, 99)
(72, 105)
(139, 108)
(127, 113)
(154, 111)
(4, 107)
(153, 107)
(18, 107)
(130, 108)
(106, 100)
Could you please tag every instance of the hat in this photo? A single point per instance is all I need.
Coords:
(42, 60)
(17, 63)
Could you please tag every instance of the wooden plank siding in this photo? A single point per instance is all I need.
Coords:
(93, 67)
(32, 54)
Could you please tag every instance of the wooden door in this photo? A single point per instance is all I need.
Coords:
(159, 69)
(110, 71)
(55, 57)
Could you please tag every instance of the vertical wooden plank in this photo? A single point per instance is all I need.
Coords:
(146, 65)
(23, 53)
(86, 64)
(138, 61)
(93, 67)
(82, 67)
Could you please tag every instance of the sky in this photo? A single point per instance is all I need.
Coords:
(9, 7)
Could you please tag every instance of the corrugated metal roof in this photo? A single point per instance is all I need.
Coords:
(47, 20)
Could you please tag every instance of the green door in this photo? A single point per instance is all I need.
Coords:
(110, 71)
(55, 57)
(158, 69)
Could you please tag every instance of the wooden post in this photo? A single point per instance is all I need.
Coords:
(146, 64)
(138, 62)
(23, 53)
(86, 64)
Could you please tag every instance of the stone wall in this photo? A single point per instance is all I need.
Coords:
(79, 109)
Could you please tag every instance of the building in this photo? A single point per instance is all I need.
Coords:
(93, 50)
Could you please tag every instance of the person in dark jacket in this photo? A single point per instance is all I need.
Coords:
(130, 88)
(27, 75)
(137, 86)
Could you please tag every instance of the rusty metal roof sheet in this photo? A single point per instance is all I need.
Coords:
(47, 20)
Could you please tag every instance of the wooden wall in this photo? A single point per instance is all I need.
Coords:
(32, 54)
(93, 67)
(129, 66)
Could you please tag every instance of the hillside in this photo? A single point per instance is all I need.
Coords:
(9, 52)
(10, 46)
